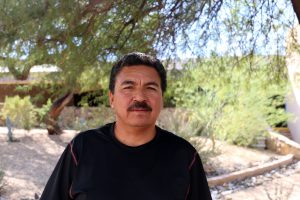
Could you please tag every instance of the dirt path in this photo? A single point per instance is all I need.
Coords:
(280, 188)
(28, 163)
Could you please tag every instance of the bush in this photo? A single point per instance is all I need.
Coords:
(180, 122)
(90, 118)
(233, 103)
(42, 112)
(20, 111)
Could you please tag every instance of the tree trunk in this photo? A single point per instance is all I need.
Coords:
(296, 6)
(54, 112)
(19, 74)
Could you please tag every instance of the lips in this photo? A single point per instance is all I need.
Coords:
(140, 109)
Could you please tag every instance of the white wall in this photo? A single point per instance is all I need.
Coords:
(293, 98)
(294, 124)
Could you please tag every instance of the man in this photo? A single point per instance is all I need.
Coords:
(130, 159)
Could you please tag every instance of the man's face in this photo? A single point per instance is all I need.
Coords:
(137, 99)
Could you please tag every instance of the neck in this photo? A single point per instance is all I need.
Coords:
(134, 136)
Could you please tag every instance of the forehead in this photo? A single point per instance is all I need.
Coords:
(138, 72)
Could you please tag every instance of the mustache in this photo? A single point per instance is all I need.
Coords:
(139, 105)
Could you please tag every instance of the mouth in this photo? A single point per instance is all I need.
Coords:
(140, 110)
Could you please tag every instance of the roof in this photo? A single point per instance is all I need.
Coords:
(36, 68)
(7, 78)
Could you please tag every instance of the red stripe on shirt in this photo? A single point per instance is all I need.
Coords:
(73, 155)
(193, 161)
(187, 193)
(190, 166)
(70, 192)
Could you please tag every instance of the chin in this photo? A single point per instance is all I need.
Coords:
(142, 124)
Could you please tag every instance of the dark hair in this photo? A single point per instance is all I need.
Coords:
(137, 58)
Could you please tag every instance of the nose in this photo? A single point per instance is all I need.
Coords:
(139, 95)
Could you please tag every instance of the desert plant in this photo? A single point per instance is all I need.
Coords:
(92, 118)
(20, 110)
(42, 111)
(231, 103)
(179, 121)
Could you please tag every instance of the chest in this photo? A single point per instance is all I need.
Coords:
(115, 175)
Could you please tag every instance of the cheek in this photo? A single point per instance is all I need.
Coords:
(126, 94)
(157, 102)
(123, 100)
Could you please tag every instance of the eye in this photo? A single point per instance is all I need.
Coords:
(152, 88)
(127, 87)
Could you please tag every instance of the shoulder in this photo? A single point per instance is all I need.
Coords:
(98, 134)
(172, 140)
(177, 148)
(90, 140)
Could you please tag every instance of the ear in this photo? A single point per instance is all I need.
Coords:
(111, 99)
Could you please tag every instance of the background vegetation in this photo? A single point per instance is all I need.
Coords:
(231, 88)
(212, 97)
(227, 102)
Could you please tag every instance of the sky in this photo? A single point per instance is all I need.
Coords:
(270, 41)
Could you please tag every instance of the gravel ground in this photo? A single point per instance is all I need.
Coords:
(264, 180)
(29, 162)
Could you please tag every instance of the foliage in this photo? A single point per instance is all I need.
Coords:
(85, 35)
(20, 111)
(89, 118)
(95, 80)
(179, 121)
(231, 103)
(42, 111)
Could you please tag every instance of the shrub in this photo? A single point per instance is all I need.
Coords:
(92, 118)
(20, 111)
(231, 102)
(180, 122)
(42, 112)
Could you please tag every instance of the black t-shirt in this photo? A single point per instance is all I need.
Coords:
(95, 165)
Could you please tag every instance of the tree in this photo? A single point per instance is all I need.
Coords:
(83, 36)
(77, 36)
(296, 7)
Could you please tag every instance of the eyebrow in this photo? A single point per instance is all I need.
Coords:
(130, 82)
(127, 82)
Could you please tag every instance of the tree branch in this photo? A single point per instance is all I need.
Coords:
(296, 7)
